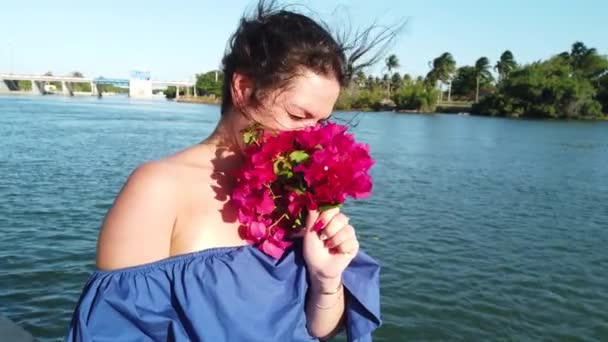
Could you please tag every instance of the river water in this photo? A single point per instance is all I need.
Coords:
(486, 229)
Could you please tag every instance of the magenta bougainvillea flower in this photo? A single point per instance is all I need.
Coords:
(289, 173)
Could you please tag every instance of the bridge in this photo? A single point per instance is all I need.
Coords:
(139, 86)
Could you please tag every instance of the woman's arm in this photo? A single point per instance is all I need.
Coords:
(138, 227)
(327, 253)
(325, 308)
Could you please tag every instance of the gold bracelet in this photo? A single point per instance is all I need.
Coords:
(330, 306)
(340, 287)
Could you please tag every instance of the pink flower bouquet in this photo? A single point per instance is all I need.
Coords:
(287, 174)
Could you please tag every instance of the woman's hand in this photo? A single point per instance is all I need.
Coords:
(329, 251)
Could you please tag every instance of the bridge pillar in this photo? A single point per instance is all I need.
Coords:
(12, 85)
(37, 87)
(195, 92)
(176, 92)
(66, 87)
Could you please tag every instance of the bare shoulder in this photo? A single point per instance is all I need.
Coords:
(137, 228)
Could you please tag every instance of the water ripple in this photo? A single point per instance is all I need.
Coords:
(486, 229)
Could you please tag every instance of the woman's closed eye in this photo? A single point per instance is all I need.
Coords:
(296, 118)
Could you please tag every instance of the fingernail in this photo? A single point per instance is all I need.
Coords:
(318, 226)
(323, 236)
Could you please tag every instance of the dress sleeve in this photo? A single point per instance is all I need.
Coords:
(122, 307)
(362, 282)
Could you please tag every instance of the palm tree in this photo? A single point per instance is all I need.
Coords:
(392, 62)
(360, 78)
(587, 62)
(482, 73)
(407, 78)
(377, 82)
(579, 52)
(396, 81)
(505, 65)
(442, 69)
(369, 83)
(386, 81)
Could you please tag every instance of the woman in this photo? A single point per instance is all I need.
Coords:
(171, 264)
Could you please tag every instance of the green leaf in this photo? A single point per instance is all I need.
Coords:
(286, 173)
(282, 167)
(329, 206)
(298, 156)
(248, 138)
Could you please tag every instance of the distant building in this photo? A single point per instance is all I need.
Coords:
(140, 84)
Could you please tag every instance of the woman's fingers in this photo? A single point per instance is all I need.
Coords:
(334, 230)
(333, 226)
(346, 233)
(348, 247)
(325, 217)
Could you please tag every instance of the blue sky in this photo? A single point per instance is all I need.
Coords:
(176, 39)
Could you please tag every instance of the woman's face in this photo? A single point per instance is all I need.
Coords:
(308, 99)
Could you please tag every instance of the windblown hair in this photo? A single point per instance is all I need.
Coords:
(275, 44)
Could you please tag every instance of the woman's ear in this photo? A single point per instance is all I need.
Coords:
(241, 90)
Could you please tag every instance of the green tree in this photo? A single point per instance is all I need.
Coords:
(386, 81)
(391, 62)
(586, 62)
(547, 89)
(170, 92)
(368, 99)
(369, 83)
(396, 81)
(24, 85)
(602, 93)
(464, 83)
(482, 74)
(80, 87)
(505, 65)
(442, 69)
(407, 79)
(419, 96)
(210, 83)
(360, 79)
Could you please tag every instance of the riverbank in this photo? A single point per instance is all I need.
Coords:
(30, 93)
(213, 100)
(454, 107)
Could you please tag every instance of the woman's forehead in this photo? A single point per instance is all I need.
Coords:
(314, 94)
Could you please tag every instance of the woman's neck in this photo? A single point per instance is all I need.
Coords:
(226, 141)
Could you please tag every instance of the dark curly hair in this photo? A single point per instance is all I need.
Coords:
(273, 44)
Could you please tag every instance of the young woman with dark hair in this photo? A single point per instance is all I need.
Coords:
(171, 263)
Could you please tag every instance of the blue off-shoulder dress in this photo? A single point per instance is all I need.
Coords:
(219, 294)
